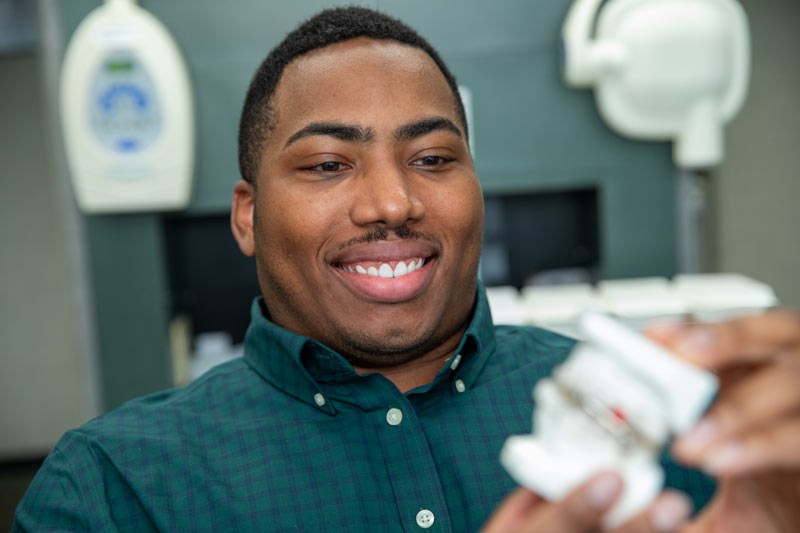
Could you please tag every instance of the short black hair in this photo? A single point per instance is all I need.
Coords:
(326, 28)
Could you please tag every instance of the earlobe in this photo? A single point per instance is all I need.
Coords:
(242, 216)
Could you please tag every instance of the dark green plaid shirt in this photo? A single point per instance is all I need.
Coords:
(290, 439)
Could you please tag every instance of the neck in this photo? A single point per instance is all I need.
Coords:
(418, 372)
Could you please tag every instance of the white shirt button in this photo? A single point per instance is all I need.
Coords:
(394, 416)
(320, 399)
(460, 387)
(425, 519)
(456, 362)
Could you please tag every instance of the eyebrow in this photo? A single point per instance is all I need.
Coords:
(343, 132)
(425, 126)
(347, 132)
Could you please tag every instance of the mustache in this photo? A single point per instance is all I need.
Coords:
(382, 234)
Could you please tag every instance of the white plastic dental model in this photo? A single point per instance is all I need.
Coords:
(611, 406)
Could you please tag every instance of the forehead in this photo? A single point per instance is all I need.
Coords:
(362, 81)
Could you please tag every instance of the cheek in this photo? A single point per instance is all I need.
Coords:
(292, 226)
(278, 238)
(463, 211)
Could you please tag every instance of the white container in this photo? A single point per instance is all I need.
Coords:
(127, 113)
(506, 305)
(719, 296)
(559, 307)
(639, 301)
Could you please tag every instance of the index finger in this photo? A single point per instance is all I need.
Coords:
(752, 338)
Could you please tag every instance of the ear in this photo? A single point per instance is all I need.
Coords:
(242, 216)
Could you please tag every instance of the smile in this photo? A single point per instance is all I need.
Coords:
(387, 272)
(388, 281)
(388, 269)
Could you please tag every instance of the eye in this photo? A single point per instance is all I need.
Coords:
(431, 161)
(327, 166)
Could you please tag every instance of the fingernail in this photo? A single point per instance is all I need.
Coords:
(697, 342)
(698, 438)
(602, 491)
(729, 457)
(670, 512)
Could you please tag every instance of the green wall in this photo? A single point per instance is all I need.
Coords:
(530, 133)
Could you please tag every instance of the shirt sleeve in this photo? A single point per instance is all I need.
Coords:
(81, 488)
(52, 501)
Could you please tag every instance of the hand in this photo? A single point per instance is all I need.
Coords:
(750, 438)
(583, 509)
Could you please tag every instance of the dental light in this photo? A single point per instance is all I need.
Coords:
(662, 69)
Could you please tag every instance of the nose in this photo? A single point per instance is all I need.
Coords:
(386, 195)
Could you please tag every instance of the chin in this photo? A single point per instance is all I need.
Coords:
(382, 349)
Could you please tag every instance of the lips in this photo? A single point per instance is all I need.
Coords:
(387, 271)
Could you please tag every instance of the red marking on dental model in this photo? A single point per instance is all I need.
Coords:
(618, 414)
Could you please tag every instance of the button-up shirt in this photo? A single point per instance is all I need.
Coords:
(291, 438)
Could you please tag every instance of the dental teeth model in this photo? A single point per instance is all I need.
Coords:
(611, 406)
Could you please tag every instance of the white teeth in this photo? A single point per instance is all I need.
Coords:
(400, 270)
(385, 271)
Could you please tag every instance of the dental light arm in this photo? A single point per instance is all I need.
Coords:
(587, 60)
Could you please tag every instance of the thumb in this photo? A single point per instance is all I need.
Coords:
(579, 511)
(513, 511)
(583, 508)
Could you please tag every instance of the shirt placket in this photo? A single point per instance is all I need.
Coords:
(410, 467)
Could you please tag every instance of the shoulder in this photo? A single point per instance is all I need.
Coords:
(226, 397)
(527, 352)
(215, 392)
(139, 446)
(533, 343)
(533, 337)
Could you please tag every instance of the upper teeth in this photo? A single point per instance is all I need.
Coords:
(384, 270)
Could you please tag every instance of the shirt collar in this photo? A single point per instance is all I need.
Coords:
(477, 344)
(298, 365)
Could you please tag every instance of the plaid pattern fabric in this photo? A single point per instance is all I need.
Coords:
(248, 447)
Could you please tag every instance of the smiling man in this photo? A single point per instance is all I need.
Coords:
(375, 392)
(363, 207)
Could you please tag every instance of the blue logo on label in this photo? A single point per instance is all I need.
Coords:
(127, 145)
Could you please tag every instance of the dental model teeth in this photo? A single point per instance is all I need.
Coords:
(612, 405)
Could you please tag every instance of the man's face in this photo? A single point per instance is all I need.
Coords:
(367, 213)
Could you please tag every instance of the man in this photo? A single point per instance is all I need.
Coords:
(375, 393)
